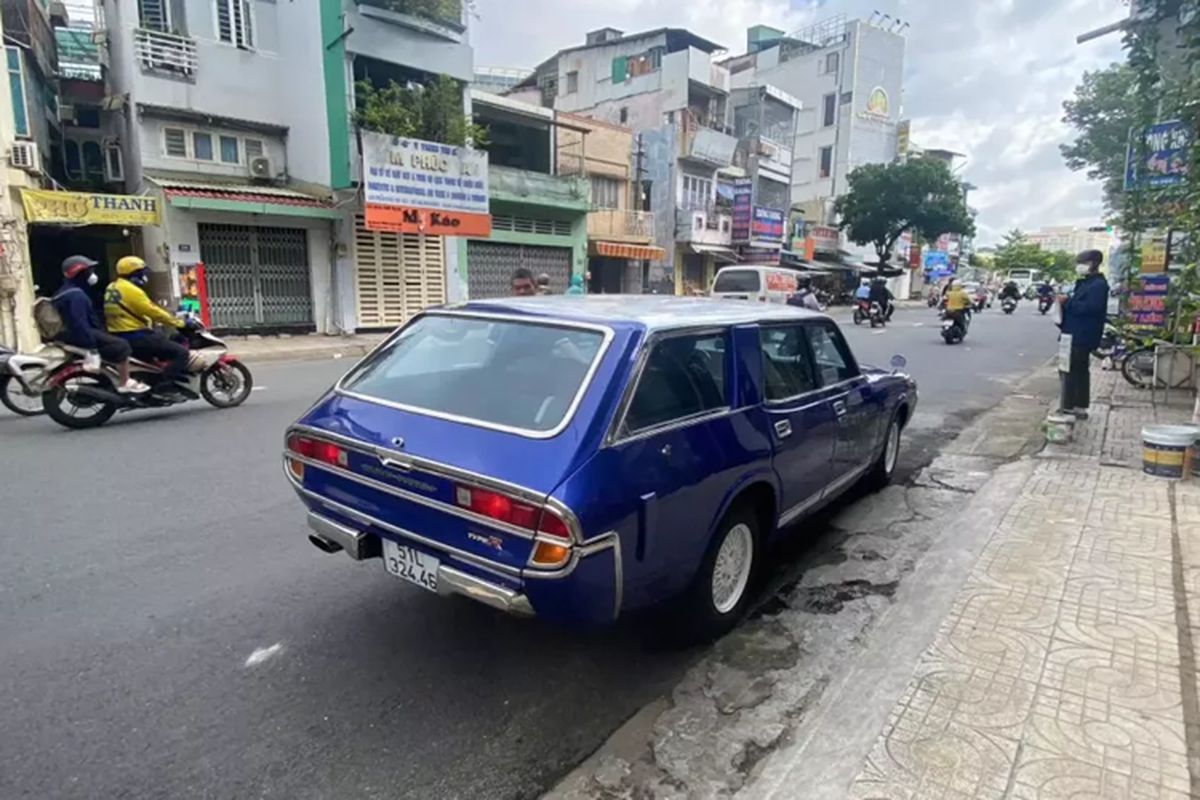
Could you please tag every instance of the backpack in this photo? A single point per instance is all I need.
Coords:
(47, 318)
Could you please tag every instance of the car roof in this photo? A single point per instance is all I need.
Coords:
(654, 312)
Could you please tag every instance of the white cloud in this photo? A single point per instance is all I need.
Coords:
(984, 77)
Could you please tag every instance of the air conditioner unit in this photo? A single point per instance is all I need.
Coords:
(66, 113)
(768, 149)
(260, 167)
(24, 155)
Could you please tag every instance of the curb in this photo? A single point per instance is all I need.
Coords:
(354, 351)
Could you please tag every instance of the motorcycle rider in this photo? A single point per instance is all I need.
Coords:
(81, 325)
(805, 297)
(958, 303)
(129, 313)
(1045, 292)
(879, 293)
(864, 290)
(1011, 290)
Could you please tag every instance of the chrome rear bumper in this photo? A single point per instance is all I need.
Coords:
(333, 537)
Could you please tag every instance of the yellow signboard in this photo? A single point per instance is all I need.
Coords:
(90, 209)
(1154, 253)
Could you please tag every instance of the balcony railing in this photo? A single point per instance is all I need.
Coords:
(165, 52)
(619, 224)
(704, 223)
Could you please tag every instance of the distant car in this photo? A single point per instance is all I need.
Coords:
(577, 458)
(766, 284)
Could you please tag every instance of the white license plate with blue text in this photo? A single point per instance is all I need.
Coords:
(410, 564)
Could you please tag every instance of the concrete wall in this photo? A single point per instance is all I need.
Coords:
(607, 152)
(401, 39)
(878, 63)
(154, 156)
(660, 146)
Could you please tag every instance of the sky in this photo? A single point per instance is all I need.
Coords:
(986, 78)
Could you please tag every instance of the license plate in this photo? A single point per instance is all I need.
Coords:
(948, 324)
(410, 564)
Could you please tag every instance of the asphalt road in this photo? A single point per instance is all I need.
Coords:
(166, 631)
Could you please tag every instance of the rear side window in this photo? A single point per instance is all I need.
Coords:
(684, 376)
(831, 355)
(787, 364)
(517, 375)
(741, 281)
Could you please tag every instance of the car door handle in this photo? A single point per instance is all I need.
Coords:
(783, 429)
(839, 407)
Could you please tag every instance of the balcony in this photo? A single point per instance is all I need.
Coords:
(512, 185)
(619, 225)
(706, 146)
(707, 224)
(165, 53)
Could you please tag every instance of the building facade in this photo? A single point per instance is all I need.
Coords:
(848, 78)
(666, 86)
(1074, 240)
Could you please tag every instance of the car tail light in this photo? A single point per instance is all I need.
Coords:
(539, 521)
(318, 450)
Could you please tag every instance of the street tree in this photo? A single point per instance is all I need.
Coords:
(886, 200)
(1017, 252)
(1103, 109)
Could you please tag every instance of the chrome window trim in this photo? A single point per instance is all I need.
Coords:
(367, 519)
(447, 472)
(607, 335)
(612, 436)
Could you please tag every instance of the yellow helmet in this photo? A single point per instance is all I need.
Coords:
(129, 265)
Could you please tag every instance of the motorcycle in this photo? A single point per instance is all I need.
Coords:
(862, 311)
(877, 315)
(932, 299)
(1008, 305)
(954, 327)
(20, 382)
(1044, 304)
(79, 397)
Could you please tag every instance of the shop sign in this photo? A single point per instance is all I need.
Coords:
(193, 290)
(825, 239)
(878, 105)
(1154, 254)
(1148, 304)
(81, 208)
(743, 188)
(1166, 151)
(767, 225)
(414, 186)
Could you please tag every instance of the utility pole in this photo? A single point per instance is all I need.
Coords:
(636, 191)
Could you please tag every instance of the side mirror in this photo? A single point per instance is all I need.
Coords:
(898, 362)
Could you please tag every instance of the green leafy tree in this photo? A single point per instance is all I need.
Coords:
(1062, 266)
(1017, 252)
(1103, 109)
(432, 112)
(885, 200)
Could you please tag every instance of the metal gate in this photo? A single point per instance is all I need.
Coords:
(256, 277)
(396, 275)
(490, 267)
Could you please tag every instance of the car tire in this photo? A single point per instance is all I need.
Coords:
(719, 594)
(889, 455)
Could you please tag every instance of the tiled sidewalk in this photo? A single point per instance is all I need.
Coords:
(1067, 668)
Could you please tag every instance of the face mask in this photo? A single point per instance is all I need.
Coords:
(1082, 269)
(93, 279)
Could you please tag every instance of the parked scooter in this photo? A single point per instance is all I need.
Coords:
(1008, 305)
(77, 397)
(21, 382)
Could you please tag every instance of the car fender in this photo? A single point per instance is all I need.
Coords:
(765, 474)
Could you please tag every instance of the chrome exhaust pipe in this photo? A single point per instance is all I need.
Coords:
(324, 545)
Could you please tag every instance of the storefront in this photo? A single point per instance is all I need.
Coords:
(264, 251)
(617, 267)
(396, 275)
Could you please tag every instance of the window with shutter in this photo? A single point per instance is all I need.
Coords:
(155, 15)
(235, 23)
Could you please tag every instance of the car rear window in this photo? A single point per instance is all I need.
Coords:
(737, 280)
(512, 374)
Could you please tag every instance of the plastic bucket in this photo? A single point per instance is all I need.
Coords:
(1060, 428)
(1167, 450)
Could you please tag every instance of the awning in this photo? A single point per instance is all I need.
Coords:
(637, 252)
(723, 254)
(245, 199)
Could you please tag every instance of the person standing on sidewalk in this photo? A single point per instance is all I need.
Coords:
(1083, 316)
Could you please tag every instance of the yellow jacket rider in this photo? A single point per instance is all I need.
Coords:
(957, 299)
(130, 314)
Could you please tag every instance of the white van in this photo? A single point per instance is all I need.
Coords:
(766, 284)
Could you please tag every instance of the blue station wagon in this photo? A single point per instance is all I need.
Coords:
(576, 458)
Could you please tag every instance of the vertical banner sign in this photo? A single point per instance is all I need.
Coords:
(742, 190)
(1147, 305)
(193, 292)
(903, 134)
(1165, 155)
(414, 186)
(1154, 253)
